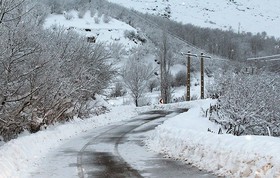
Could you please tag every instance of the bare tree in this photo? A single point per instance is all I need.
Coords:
(153, 83)
(136, 75)
(165, 57)
(249, 104)
(8, 9)
(19, 64)
(46, 76)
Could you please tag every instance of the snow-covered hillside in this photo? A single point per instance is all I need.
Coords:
(111, 31)
(239, 15)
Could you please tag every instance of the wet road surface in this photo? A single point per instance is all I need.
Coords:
(119, 152)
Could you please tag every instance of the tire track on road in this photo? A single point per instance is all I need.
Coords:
(113, 162)
(80, 168)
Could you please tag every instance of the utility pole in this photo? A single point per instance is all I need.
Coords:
(202, 56)
(189, 55)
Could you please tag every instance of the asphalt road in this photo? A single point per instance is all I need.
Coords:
(118, 152)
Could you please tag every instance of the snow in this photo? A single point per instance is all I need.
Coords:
(111, 32)
(22, 155)
(184, 137)
(253, 16)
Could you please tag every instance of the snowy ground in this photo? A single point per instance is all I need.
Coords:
(21, 156)
(111, 32)
(239, 15)
(185, 137)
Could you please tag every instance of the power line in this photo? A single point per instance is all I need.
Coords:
(266, 58)
(148, 21)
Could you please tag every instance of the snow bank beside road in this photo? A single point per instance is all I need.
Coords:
(185, 137)
(18, 156)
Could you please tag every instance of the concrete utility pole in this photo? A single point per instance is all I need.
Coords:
(189, 55)
(202, 56)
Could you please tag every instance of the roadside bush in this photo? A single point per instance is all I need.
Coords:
(248, 104)
(152, 84)
(81, 13)
(68, 16)
(194, 97)
(106, 18)
(92, 12)
(96, 20)
(51, 78)
(118, 90)
(117, 50)
(180, 78)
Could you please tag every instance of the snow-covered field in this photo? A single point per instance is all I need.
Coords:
(239, 15)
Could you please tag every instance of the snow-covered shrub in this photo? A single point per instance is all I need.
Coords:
(180, 78)
(194, 97)
(92, 12)
(96, 20)
(81, 13)
(68, 16)
(249, 104)
(51, 74)
(1, 141)
(89, 108)
(152, 84)
(99, 14)
(132, 35)
(118, 90)
(106, 18)
(117, 50)
(179, 99)
(144, 101)
(96, 111)
(10, 129)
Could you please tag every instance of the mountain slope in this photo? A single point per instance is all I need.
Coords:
(92, 26)
(253, 16)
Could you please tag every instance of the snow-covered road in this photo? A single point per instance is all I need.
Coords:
(116, 150)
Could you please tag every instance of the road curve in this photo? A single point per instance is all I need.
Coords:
(118, 152)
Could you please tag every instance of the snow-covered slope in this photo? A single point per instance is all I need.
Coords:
(239, 15)
(92, 26)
